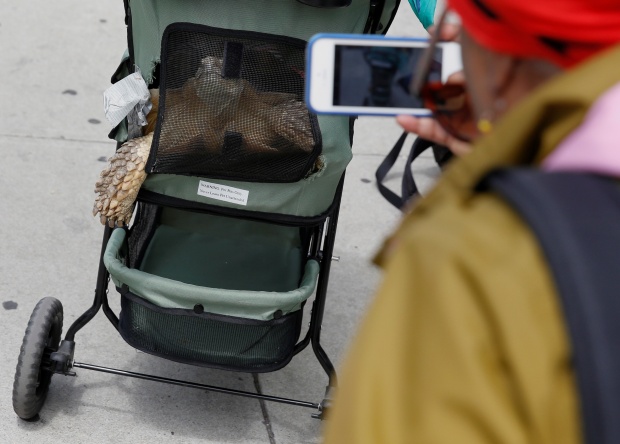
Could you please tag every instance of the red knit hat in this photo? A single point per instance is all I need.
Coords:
(565, 32)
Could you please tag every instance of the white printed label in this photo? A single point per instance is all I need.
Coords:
(223, 192)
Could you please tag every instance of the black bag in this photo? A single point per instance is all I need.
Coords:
(575, 217)
(408, 186)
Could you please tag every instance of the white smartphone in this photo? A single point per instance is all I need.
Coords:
(371, 75)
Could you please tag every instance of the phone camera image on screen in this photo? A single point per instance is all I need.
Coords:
(383, 73)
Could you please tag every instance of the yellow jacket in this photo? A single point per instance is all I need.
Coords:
(465, 341)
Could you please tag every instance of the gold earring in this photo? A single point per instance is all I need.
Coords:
(484, 125)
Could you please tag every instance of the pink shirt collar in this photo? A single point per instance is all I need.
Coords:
(595, 145)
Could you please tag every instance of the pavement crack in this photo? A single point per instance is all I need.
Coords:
(263, 408)
(58, 138)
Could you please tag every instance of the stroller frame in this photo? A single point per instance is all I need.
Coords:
(321, 249)
(44, 352)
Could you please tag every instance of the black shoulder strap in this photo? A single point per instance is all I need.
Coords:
(576, 218)
(408, 185)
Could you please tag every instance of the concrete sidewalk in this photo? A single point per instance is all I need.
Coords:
(57, 58)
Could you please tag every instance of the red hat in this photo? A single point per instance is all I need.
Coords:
(565, 32)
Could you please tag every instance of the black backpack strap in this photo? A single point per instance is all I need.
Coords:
(442, 155)
(408, 185)
(576, 219)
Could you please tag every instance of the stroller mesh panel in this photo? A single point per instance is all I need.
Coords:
(209, 340)
(232, 107)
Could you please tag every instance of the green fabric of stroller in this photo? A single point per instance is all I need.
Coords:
(308, 197)
(229, 267)
(161, 279)
(280, 17)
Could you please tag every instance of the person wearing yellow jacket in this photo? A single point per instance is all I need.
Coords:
(465, 341)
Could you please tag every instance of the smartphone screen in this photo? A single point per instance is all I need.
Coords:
(353, 75)
(379, 76)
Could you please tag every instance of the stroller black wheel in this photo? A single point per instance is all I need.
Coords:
(33, 373)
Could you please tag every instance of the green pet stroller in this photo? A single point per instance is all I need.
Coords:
(234, 227)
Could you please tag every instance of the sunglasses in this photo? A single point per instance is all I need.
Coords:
(449, 102)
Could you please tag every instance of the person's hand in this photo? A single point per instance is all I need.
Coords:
(427, 127)
(449, 32)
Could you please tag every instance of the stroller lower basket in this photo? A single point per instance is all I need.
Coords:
(169, 309)
(208, 339)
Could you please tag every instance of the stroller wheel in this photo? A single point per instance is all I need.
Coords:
(34, 373)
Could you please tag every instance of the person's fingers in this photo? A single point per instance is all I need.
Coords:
(425, 127)
(456, 77)
(458, 147)
(409, 123)
(449, 31)
(430, 129)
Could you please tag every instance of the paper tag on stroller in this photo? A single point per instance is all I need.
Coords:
(125, 95)
(223, 192)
